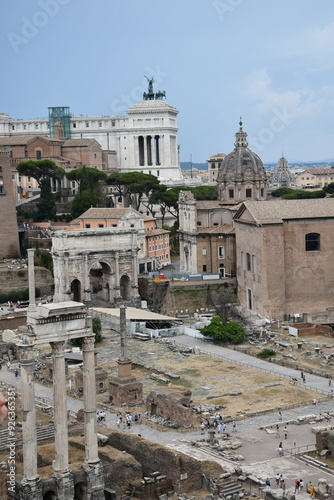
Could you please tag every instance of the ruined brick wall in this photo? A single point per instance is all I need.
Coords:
(325, 441)
(171, 403)
(154, 457)
(305, 329)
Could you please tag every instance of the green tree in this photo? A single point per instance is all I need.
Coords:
(40, 169)
(205, 192)
(299, 194)
(46, 207)
(277, 193)
(330, 188)
(230, 333)
(87, 178)
(83, 201)
(135, 184)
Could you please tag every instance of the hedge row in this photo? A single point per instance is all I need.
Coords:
(15, 295)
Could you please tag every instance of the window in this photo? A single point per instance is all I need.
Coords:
(221, 252)
(312, 242)
(112, 124)
(74, 125)
(1, 169)
(204, 268)
(254, 264)
(87, 226)
(231, 193)
(101, 225)
(100, 124)
(249, 299)
(24, 127)
(242, 261)
(199, 223)
(203, 251)
(248, 193)
(248, 261)
(213, 165)
(36, 126)
(262, 192)
(73, 184)
(87, 124)
(38, 154)
(13, 127)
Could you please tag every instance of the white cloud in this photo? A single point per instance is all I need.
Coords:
(260, 91)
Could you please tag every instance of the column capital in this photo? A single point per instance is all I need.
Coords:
(58, 348)
(88, 343)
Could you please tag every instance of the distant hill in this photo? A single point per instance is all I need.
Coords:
(186, 165)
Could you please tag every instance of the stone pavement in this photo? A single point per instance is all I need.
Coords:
(259, 448)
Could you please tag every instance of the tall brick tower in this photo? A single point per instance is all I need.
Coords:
(9, 238)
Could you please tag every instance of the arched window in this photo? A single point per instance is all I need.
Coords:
(312, 242)
(38, 154)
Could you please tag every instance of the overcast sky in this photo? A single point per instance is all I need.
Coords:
(269, 61)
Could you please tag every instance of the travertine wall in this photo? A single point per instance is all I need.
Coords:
(9, 240)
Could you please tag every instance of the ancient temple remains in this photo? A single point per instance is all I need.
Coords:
(56, 323)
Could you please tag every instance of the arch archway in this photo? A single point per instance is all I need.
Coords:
(80, 491)
(125, 289)
(100, 277)
(76, 290)
(50, 495)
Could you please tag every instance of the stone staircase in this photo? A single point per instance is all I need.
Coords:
(44, 433)
(230, 488)
(316, 463)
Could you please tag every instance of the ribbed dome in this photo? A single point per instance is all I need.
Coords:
(242, 174)
(242, 163)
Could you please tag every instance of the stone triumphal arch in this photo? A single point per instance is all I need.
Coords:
(96, 263)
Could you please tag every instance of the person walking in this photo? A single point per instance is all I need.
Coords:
(234, 427)
(286, 432)
(268, 484)
(301, 485)
(202, 428)
(312, 491)
(277, 479)
(277, 435)
(296, 486)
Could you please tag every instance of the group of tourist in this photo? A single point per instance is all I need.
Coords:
(101, 416)
(218, 425)
(127, 420)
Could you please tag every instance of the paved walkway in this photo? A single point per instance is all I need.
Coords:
(259, 448)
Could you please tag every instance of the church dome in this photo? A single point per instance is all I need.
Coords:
(242, 169)
(242, 162)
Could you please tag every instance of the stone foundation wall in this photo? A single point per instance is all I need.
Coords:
(154, 457)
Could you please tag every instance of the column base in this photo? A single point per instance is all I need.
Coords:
(31, 488)
(94, 480)
(65, 485)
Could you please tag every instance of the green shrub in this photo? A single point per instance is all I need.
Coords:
(232, 332)
(21, 274)
(266, 353)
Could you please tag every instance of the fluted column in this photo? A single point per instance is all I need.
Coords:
(89, 385)
(64, 479)
(60, 407)
(28, 413)
(92, 464)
